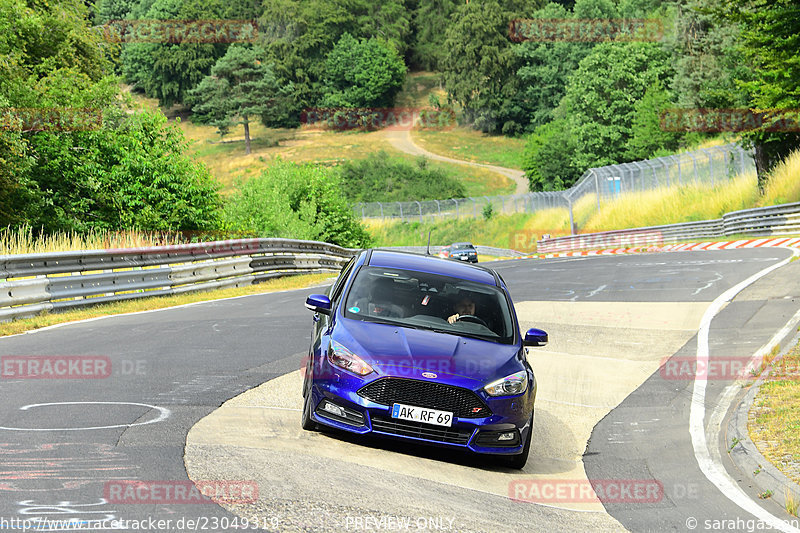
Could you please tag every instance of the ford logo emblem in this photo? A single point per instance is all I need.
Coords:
(429, 375)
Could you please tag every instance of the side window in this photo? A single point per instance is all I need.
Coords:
(336, 291)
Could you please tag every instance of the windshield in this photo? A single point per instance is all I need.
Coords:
(430, 301)
(463, 246)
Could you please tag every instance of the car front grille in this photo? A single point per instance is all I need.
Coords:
(419, 430)
(463, 403)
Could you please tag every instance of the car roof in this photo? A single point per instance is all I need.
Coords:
(462, 244)
(432, 264)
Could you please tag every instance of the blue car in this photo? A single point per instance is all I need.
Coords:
(419, 348)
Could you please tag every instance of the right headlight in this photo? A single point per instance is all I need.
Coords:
(343, 358)
(516, 383)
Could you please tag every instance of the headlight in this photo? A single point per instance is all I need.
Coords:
(340, 356)
(516, 383)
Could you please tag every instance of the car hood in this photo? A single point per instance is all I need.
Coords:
(408, 352)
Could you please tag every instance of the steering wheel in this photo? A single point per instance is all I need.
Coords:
(472, 318)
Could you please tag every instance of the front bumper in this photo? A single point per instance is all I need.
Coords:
(479, 435)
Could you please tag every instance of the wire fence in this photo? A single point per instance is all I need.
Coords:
(705, 166)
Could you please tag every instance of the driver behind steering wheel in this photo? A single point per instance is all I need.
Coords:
(465, 305)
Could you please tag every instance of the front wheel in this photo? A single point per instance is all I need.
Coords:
(520, 460)
(306, 421)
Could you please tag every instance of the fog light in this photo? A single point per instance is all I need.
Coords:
(333, 409)
(330, 410)
(506, 436)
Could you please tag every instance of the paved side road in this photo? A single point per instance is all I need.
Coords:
(401, 140)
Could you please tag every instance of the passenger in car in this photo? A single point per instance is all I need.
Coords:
(382, 296)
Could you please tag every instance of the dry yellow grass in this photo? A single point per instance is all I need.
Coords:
(774, 422)
(675, 204)
(147, 304)
(21, 240)
(784, 184)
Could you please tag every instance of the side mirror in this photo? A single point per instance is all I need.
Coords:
(319, 303)
(535, 337)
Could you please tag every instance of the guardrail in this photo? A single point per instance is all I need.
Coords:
(758, 222)
(481, 249)
(32, 283)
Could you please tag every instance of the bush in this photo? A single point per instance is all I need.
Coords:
(549, 157)
(378, 178)
(130, 175)
(295, 201)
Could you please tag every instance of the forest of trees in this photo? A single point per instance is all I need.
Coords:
(579, 104)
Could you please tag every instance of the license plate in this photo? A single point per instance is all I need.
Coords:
(422, 414)
(464, 257)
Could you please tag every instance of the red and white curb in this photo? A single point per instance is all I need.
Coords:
(791, 242)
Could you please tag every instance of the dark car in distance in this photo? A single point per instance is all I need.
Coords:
(460, 251)
(417, 348)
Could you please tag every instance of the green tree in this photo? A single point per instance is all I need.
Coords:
(168, 71)
(362, 73)
(130, 174)
(545, 68)
(430, 17)
(478, 70)
(707, 62)
(298, 36)
(769, 40)
(601, 96)
(241, 86)
(389, 21)
(647, 136)
(108, 10)
(295, 201)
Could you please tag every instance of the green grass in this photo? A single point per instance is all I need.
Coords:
(470, 145)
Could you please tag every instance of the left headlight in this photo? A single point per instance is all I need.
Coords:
(516, 383)
(343, 358)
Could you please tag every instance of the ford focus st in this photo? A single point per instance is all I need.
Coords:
(414, 347)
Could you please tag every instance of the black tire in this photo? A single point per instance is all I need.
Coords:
(305, 420)
(521, 459)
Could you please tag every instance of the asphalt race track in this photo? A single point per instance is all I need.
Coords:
(608, 410)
